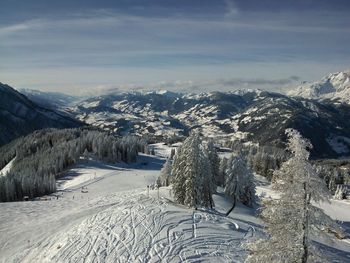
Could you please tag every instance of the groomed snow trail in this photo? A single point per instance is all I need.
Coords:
(116, 221)
(137, 228)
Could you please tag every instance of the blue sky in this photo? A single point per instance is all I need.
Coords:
(92, 46)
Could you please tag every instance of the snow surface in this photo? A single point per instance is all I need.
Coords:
(7, 167)
(106, 213)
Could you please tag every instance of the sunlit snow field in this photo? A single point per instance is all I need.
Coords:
(105, 213)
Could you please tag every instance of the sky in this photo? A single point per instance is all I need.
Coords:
(90, 47)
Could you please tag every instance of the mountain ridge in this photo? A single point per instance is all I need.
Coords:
(255, 116)
(20, 116)
(334, 86)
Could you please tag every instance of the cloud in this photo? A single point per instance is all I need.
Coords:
(8, 30)
(191, 86)
(234, 49)
(231, 7)
(258, 81)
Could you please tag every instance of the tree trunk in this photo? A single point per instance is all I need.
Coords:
(233, 206)
(234, 200)
(306, 225)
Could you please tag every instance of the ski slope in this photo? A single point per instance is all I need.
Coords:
(138, 228)
(106, 213)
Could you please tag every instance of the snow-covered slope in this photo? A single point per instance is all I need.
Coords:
(257, 116)
(7, 168)
(106, 213)
(109, 216)
(335, 86)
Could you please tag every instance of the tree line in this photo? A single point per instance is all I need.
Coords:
(41, 156)
(264, 160)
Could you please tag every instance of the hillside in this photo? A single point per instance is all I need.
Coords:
(20, 116)
(51, 100)
(255, 116)
(30, 165)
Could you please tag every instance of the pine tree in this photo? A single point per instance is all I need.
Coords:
(164, 178)
(191, 174)
(239, 183)
(208, 183)
(222, 172)
(178, 173)
(340, 192)
(214, 163)
(290, 219)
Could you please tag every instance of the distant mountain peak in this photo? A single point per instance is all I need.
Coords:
(335, 86)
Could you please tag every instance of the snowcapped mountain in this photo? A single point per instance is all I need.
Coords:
(335, 86)
(20, 116)
(253, 116)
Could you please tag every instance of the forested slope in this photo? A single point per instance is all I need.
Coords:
(42, 155)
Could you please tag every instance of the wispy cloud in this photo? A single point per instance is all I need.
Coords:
(8, 30)
(191, 86)
(233, 49)
(232, 9)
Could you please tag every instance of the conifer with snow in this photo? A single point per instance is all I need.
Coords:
(164, 178)
(340, 192)
(222, 172)
(192, 174)
(239, 183)
(290, 219)
(214, 163)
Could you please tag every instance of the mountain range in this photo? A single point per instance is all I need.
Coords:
(248, 116)
(253, 116)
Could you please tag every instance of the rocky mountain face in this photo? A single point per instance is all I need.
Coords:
(251, 116)
(20, 116)
(335, 86)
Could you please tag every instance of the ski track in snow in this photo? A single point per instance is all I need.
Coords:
(116, 221)
(145, 229)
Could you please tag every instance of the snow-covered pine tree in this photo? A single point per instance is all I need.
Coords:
(208, 181)
(340, 192)
(239, 183)
(222, 171)
(164, 178)
(214, 163)
(290, 219)
(178, 171)
(191, 174)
